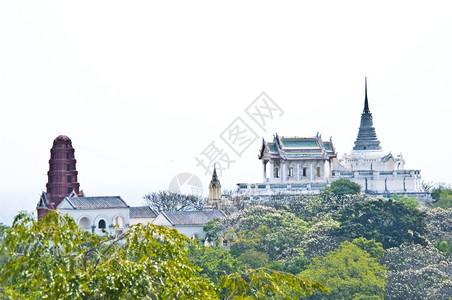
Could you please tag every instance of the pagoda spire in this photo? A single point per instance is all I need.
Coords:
(366, 102)
(214, 191)
(367, 137)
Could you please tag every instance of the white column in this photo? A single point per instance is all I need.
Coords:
(264, 170)
(283, 171)
(298, 171)
(272, 169)
(326, 170)
(311, 172)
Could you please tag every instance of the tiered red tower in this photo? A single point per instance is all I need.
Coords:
(62, 176)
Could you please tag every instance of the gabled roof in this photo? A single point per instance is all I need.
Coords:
(43, 202)
(297, 148)
(142, 212)
(192, 217)
(387, 157)
(101, 202)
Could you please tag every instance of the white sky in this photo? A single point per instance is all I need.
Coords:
(143, 87)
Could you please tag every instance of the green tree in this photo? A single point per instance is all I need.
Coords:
(348, 272)
(55, 259)
(343, 186)
(265, 229)
(444, 199)
(372, 247)
(263, 283)
(254, 259)
(408, 201)
(215, 262)
(417, 272)
(388, 222)
(444, 247)
(436, 191)
(439, 225)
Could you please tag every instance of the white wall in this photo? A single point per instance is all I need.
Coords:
(95, 215)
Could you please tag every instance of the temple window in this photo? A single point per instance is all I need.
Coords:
(102, 224)
(291, 172)
(69, 178)
(276, 173)
(68, 167)
(318, 172)
(67, 155)
(69, 190)
(305, 172)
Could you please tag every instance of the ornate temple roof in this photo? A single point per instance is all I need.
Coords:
(367, 137)
(297, 148)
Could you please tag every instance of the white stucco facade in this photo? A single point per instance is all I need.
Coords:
(114, 220)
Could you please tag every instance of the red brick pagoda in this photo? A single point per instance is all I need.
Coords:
(62, 176)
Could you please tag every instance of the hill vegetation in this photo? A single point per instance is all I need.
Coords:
(326, 246)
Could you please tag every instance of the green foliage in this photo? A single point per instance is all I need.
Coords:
(215, 262)
(388, 222)
(439, 225)
(55, 259)
(370, 246)
(348, 272)
(265, 229)
(343, 186)
(444, 247)
(266, 284)
(417, 272)
(322, 237)
(410, 202)
(254, 259)
(444, 199)
(436, 191)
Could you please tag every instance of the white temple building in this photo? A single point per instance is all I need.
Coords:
(293, 165)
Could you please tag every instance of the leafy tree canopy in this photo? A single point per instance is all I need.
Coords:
(438, 189)
(55, 259)
(444, 199)
(388, 222)
(348, 272)
(213, 261)
(343, 186)
(439, 225)
(417, 272)
(265, 229)
(408, 201)
(263, 283)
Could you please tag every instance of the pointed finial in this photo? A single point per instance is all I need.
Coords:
(214, 170)
(366, 102)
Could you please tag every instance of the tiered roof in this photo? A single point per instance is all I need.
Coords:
(297, 148)
(367, 137)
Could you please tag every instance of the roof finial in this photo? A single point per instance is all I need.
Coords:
(366, 102)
